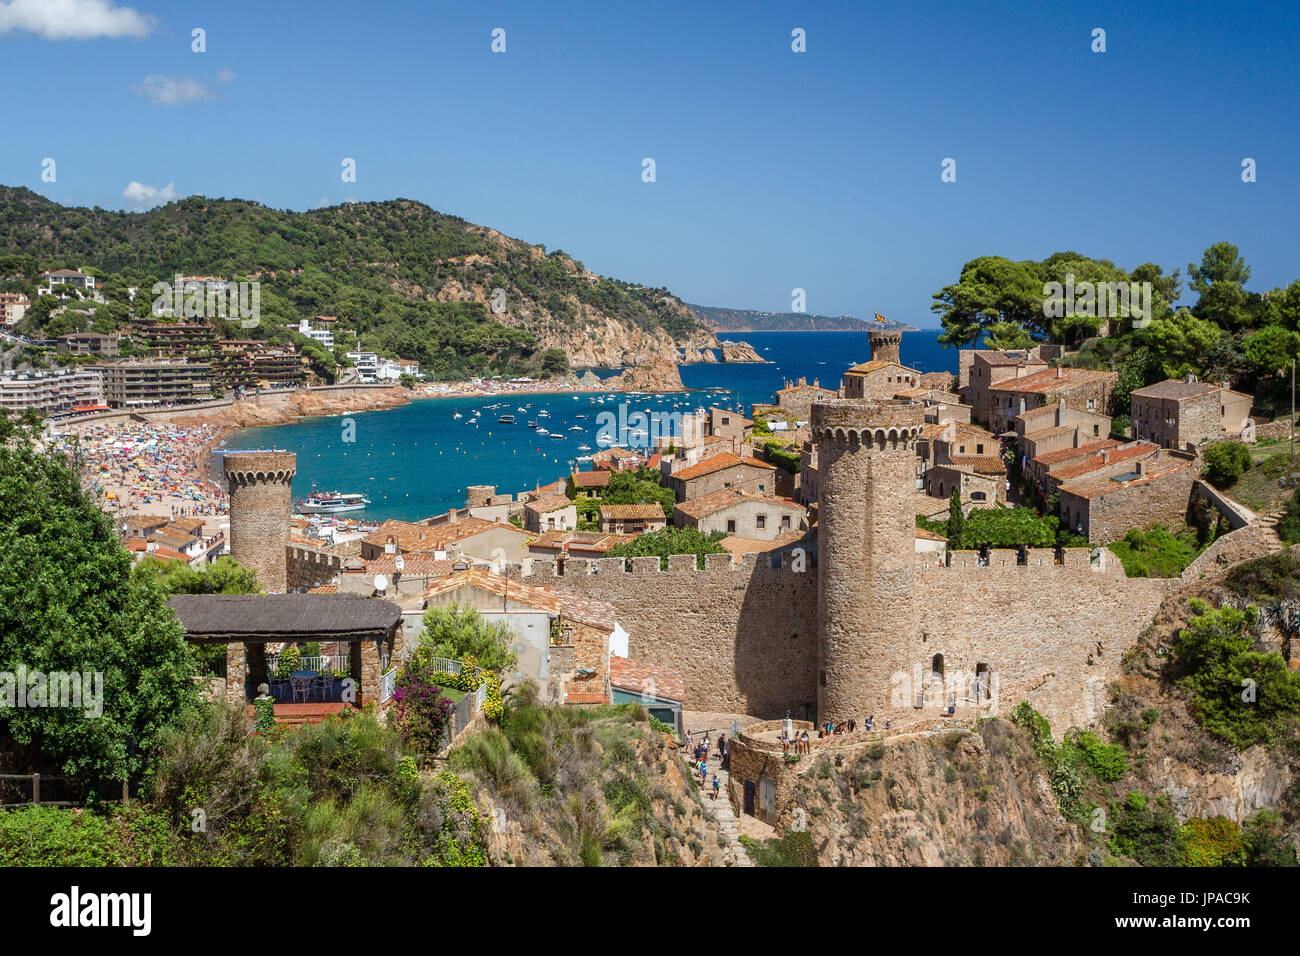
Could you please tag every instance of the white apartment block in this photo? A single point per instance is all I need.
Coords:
(324, 336)
(13, 306)
(52, 392)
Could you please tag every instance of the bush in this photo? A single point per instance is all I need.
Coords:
(1146, 833)
(1213, 842)
(1107, 761)
(1225, 462)
(455, 632)
(1155, 552)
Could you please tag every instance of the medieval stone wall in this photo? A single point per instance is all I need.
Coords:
(261, 500)
(307, 568)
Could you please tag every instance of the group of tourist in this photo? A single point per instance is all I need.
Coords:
(141, 466)
(700, 753)
(798, 742)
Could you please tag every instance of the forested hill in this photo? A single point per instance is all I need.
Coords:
(382, 266)
(747, 320)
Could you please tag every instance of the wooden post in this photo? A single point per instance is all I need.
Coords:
(126, 794)
(36, 788)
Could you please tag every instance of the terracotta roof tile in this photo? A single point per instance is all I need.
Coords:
(549, 503)
(591, 479)
(725, 498)
(598, 614)
(1067, 454)
(653, 679)
(1048, 381)
(717, 463)
(632, 512)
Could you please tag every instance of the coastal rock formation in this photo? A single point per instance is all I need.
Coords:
(696, 356)
(589, 380)
(274, 408)
(659, 376)
(740, 352)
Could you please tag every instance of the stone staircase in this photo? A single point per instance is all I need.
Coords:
(727, 821)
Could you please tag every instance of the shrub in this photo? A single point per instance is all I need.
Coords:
(1225, 462)
(1107, 761)
(455, 632)
(289, 661)
(1213, 842)
(1146, 833)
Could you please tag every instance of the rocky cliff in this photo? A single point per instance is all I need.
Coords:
(657, 376)
(740, 352)
(277, 409)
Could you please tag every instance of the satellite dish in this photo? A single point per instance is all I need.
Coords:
(381, 582)
(400, 562)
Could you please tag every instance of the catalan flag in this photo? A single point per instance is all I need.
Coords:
(881, 319)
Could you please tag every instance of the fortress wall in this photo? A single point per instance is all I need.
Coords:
(308, 568)
(745, 636)
(1035, 626)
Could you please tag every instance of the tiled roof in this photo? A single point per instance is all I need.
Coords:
(1048, 380)
(189, 525)
(936, 379)
(416, 537)
(652, 679)
(576, 542)
(419, 564)
(554, 488)
(1176, 388)
(324, 589)
(739, 546)
(981, 464)
(1044, 433)
(725, 498)
(717, 463)
(875, 365)
(591, 479)
(1101, 460)
(1066, 454)
(929, 535)
(597, 614)
(632, 512)
(549, 503)
(1011, 357)
(1152, 469)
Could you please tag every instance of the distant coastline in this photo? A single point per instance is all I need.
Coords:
(865, 327)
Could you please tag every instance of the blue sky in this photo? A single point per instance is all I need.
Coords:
(774, 169)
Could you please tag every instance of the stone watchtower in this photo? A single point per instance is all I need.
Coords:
(866, 453)
(885, 345)
(261, 502)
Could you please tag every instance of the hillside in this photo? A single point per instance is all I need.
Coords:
(748, 320)
(413, 281)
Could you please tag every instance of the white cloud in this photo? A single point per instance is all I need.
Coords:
(171, 90)
(138, 196)
(225, 76)
(73, 19)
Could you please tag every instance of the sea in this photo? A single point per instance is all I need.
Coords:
(416, 460)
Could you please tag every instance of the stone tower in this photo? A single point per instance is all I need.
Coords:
(885, 345)
(866, 454)
(261, 502)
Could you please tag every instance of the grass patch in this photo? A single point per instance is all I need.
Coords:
(1155, 552)
(1260, 488)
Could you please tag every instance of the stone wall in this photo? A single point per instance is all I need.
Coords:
(743, 636)
(261, 500)
(1107, 517)
(307, 568)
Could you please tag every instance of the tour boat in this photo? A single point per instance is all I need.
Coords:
(543, 414)
(506, 419)
(332, 503)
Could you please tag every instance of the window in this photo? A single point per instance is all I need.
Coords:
(978, 496)
(979, 449)
(760, 489)
(1092, 403)
(726, 420)
(1096, 430)
(731, 526)
(785, 521)
(760, 522)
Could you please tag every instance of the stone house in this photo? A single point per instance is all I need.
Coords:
(1050, 428)
(1080, 388)
(1106, 502)
(736, 512)
(879, 379)
(1068, 465)
(981, 479)
(632, 519)
(590, 484)
(618, 459)
(930, 543)
(722, 471)
(550, 513)
(475, 537)
(988, 368)
(579, 544)
(796, 398)
(1177, 413)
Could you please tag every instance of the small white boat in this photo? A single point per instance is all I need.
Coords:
(583, 448)
(583, 458)
(458, 415)
(332, 503)
(575, 428)
(543, 432)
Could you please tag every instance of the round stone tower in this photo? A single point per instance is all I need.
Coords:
(885, 345)
(261, 502)
(866, 455)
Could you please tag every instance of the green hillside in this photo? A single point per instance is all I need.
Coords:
(411, 280)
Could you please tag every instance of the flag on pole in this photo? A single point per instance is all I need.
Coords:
(880, 318)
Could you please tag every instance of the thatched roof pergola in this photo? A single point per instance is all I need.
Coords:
(258, 618)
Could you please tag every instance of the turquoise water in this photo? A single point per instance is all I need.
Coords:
(418, 459)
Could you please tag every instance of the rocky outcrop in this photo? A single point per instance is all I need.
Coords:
(698, 356)
(657, 376)
(278, 408)
(740, 352)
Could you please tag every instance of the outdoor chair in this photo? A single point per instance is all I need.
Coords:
(300, 685)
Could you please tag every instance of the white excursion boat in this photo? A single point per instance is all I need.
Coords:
(332, 503)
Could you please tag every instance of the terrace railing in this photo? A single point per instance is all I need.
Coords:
(387, 685)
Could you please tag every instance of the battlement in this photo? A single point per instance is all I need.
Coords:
(880, 423)
(714, 564)
(1098, 560)
(246, 467)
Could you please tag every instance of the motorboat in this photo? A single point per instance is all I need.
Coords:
(332, 503)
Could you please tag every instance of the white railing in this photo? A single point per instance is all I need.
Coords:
(480, 697)
(446, 665)
(387, 685)
(325, 662)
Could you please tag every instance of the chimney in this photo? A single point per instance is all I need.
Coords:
(1060, 371)
(452, 516)
(1105, 456)
(1138, 468)
(1060, 412)
(390, 546)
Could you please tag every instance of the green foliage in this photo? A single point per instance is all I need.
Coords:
(1003, 527)
(1155, 553)
(1107, 761)
(1225, 462)
(777, 454)
(290, 660)
(69, 604)
(1264, 835)
(1007, 335)
(639, 487)
(263, 714)
(46, 836)
(1288, 526)
(1181, 340)
(1145, 832)
(956, 529)
(454, 631)
(1240, 694)
(668, 541)
(222, 576)
(793, 849)
(1213, 842)
(1272, 349)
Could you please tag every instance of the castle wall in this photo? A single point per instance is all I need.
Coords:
(307, 568)
(261, 500)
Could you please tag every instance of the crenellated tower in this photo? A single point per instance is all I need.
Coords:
(866, 453)
(261, 502)
(886, 345)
